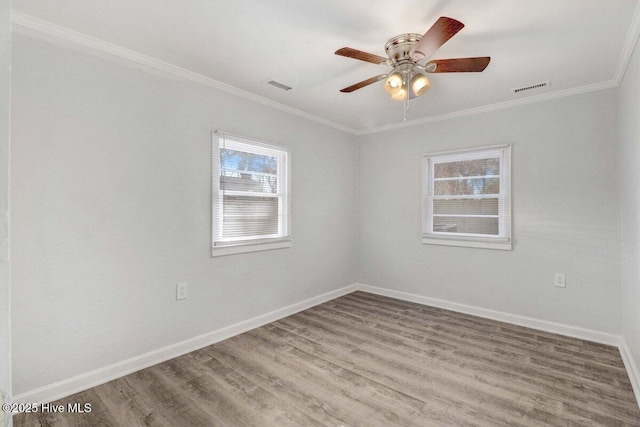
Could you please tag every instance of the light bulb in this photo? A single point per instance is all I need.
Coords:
(399, 95)
(420, 84)
(393, 84)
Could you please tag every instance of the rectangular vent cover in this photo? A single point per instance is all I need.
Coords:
(535, 86)
(278, 85)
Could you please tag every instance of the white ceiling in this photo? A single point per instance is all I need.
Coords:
(577, 45)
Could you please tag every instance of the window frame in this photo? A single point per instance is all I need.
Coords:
(502, 241)
(220, 245)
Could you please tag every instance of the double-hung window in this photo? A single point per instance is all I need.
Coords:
(467, 198)
(251, 195)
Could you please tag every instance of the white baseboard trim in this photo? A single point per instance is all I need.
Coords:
(632, 368)
(529, 322)
(90, 379)
(87, 380)
(542, 325)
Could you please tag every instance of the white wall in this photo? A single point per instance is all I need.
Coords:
(566, 213)
(5, 124)
(111, 208)
(629, 93)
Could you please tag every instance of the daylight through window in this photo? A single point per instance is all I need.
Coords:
(251, 195)
(467, 198)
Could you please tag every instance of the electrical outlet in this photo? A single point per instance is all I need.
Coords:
(561, 280)
(181, 291)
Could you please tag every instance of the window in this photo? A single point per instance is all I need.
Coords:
(467, 198)
(251, 196)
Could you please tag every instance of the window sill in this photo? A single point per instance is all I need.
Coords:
(500, 245)
(240, 248)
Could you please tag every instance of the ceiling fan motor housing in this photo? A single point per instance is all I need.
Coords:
(399, 47)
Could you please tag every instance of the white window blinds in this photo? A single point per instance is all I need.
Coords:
(251, 192)
(467, 195)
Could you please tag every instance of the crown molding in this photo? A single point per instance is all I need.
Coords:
(38, 28)
(629, 46)
(493, 107)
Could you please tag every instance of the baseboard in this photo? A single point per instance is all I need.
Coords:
(632, 368)
(87, 380)
(542, 325)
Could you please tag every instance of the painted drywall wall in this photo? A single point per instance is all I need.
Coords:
(565, 213)
(111, 209)
(5, 124)
(629, 93)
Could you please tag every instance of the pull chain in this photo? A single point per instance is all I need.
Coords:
(406, 99)
(405, 108)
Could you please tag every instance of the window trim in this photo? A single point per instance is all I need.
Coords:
(230, 246)
(504, 240)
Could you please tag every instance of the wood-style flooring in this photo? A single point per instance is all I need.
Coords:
(367, 360)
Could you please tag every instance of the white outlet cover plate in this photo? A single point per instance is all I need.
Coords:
(181, 291)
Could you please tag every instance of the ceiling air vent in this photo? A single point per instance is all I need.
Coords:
(278, 85)
(535, 86)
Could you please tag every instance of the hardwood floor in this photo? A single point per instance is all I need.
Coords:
(367, 360)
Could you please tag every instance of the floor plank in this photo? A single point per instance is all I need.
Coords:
(368, 360)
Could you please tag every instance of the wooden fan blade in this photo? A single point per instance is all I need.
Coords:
(363, 83)
(362, 56)
(458, 65)
(436, 36)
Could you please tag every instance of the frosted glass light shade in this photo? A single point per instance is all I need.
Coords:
(393, 84)
(420, 84)
(399, 95)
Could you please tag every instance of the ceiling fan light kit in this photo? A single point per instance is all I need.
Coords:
(406, 52)
(404, 77)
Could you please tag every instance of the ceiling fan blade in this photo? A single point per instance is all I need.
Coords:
(458, 65)
(362, 56)
(436, 36)
(363, 83)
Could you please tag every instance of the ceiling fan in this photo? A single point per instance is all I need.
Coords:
(406, 54)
